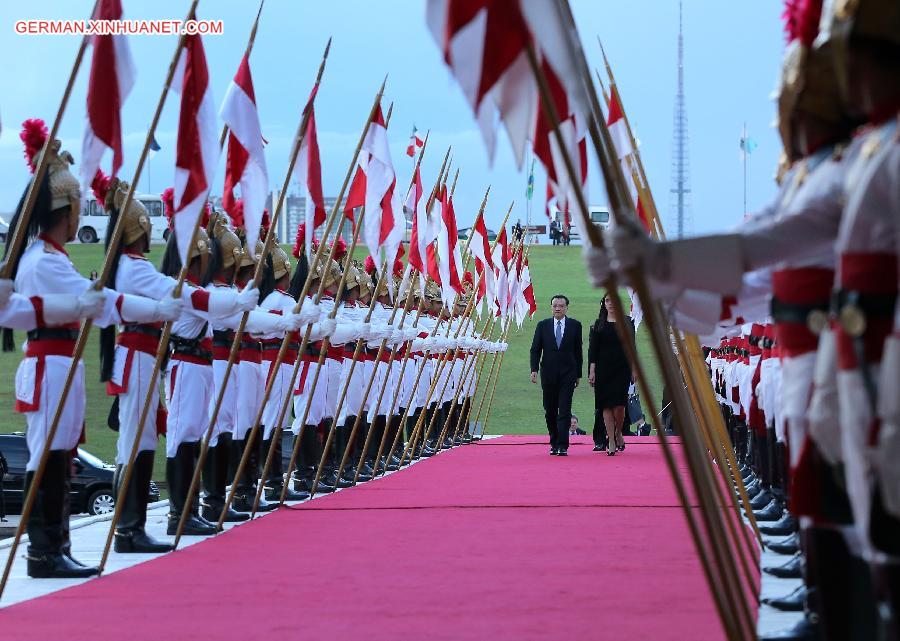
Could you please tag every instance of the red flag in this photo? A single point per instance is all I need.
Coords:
(450, 265)
(308, 172)
(501, 263)
(111, 80)
(246, 161)
(197, 149)
(414, 142)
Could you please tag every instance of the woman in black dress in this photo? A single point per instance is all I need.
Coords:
(609, 374)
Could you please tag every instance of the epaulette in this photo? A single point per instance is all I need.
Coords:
(135, 256)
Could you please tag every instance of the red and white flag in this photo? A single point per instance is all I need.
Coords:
(246, 160)
(450, 264)
(111, 80)
(528, 289)
(480, 247)
(375, 186)
(484, 43)
(414, 142)
(418, 239)
(514, 290)
(618, 130)
(197, 149)
(308, 172)
(501, 264)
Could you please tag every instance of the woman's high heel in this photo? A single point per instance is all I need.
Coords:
(610, 452)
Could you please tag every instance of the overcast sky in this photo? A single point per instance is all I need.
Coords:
(732, 56)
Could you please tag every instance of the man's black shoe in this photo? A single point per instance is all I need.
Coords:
(562, 453)
(599, 448)
(784, 526)
(761, 500)
(772, 512)
(791, 545)
(804, 630)
(139, 542)
(792, 602)
(793, 569)
(553, 451)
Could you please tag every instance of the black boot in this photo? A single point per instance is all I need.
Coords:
(179, 470)
(339, 442)
(366, 469)
(784, 526)
(793, 602)
(215, 480)
(790, 545)
(275, 482)
(448, 415)
(48, 544)
(305, 472)
(131, 535)
(245, 492)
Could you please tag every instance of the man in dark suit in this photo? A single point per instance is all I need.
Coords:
(556, 353)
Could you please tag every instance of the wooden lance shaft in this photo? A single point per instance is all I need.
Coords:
(399, 385)
(487, 335)
(647, 198)
(88, 323)
(441, 180)
(471, 378)
(451, 354)
(461, 386)
(161, 351)
(733, 609)
(20, 232)
(250, 442)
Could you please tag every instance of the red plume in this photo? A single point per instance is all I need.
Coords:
(398, 268)
(468, 277)
(369, 266)
(300, 240)
(207, 212)
(34, 134)
(338, 248)
(801, 20)
(401, 251)
(237, 214)
(100, 187)
(168, 198)
(265, 223)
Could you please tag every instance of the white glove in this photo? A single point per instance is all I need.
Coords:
(396, 336)
(344, 332)
(291, 322)
(137, 309)
(322, 329)
(599, 264)
(377, 332)
(65, 308)
(247, 299)
(6, 290)
(362, 330)
(482, 344)
(419, 344)
(310, 312)
(504, 347)
(410, 333)
(430, 344)
(629, 245)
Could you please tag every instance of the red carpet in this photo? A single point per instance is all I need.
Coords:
(490, 541)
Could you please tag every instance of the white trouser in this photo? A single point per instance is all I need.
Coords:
(468, 380)
(134, 372)
(251, 382)
(356, 386)
(382, 377)
(227, 416)
(39, 386)
(796, 389)
(303, 394)
(332, 384)
(281, 389)
(189, 393)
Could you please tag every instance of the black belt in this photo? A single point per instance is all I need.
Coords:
(784, 312)
(223, 337)
(251, 344)
(876, 305)
(189, 347)
(292, 346)
(53, 334)
(148, 330)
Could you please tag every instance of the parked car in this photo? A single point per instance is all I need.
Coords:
(92, 479)
(463, 234)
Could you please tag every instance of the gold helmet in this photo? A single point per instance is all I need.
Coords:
(808, 79)
(136, 220)
(354, 277)
(229, 243)
(432, 291)
(63, 185)
(281, 263)
(329, 271)
(364, 281)
(201, 245)
(247, 260)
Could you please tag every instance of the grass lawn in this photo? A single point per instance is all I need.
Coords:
(517, 403)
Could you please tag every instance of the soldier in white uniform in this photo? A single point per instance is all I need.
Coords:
(44, 268)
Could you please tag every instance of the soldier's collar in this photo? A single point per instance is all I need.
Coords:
(53, 244)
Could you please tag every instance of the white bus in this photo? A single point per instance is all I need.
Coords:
(599, 216)
(94, 220)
